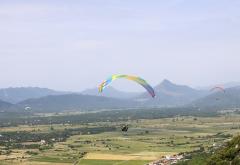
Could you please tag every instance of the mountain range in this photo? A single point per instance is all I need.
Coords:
(168, 94)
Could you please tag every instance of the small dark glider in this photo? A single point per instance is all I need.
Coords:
(125, 128)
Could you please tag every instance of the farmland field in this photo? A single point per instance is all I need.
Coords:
(147, 140)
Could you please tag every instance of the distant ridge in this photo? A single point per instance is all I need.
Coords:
(225, 85)
(220, 100)
(72, 102)
(4, 105)
(170, 94)
(18, 94)
(110, 92)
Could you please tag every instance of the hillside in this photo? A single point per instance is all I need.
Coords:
(15, 95)
(227, 154)
(75, 102)
(4, 105)
(170, 94)
(110, 92)
(217, 100)
(230, 154)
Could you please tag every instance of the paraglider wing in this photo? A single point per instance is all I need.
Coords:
(218, 88)
(139, 80)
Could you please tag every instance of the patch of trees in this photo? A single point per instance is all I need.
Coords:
(229, 154)
(112, 116)
(15, 139)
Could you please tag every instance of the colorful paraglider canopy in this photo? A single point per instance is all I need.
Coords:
(218, 88)
(138, 80)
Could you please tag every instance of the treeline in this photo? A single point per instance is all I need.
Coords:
(112, 116)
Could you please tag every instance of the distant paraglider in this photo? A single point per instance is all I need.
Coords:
(218, 89)
(138, 80)
(27, 108)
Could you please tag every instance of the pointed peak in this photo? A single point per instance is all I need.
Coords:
(165, 84)
(166, 81)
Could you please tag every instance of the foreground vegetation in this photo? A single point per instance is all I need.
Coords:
(228, 153)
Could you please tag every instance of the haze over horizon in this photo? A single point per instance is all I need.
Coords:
(76, 45)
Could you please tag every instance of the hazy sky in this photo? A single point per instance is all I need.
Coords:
(73, 45)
